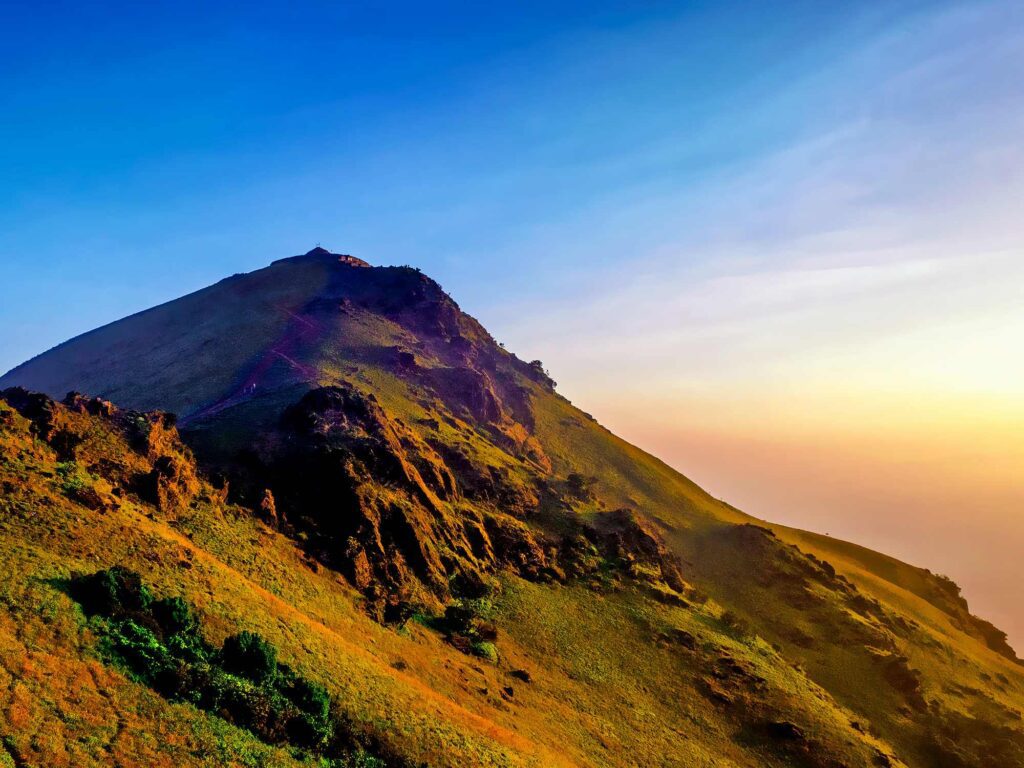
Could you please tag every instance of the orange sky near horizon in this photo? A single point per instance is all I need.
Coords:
(879, 399)
(945, 492)
(832, 336)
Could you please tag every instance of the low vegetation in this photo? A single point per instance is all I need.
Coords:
(158, 641)
(468, 623)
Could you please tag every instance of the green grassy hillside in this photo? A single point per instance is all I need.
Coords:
(476, 571)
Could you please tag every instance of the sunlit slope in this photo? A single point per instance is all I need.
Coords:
(408, 452)
(588, 674)
(901, 651)
(62, 706)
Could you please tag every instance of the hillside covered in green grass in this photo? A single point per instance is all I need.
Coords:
(317, 515)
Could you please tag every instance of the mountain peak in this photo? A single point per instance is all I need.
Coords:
(354, 447)
(323, 255)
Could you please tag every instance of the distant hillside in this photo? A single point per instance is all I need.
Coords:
(475, 571)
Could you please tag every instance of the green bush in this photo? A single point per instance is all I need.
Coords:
(312, 698)
(160, 644)
(468, 625)
(486, 650)
(174, 616)
(189, 647)
(249, 655)
(138, 645)
(71, 480)
(111, 593)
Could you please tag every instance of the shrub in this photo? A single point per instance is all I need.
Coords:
(160, 644)
(249, 655)
(312, 698)
(485, 650)
(580, 486)
(174, 616)
(116, 591)
(209, 687)
(141, 651)
(189, 646)
(71, 481)
(308, 732)
(468, 626)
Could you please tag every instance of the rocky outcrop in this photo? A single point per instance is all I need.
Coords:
(633, 540)
(944, 593)
(49, 421)
(159, 467)
(903, 678)
(495, 486)
(172, 483)
(401, 517)
(374, 500)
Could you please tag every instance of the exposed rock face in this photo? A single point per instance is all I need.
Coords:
(401, 518)
(97, 406)
(172, 483)
(945, 594)
(635, 542)
(378, 502)
(161, 470)
(369, 489)
(50, 422)
(342, 419)
(901, 676)
(471, 392)
(268, 509)
(487, 484)
(515, 546)
(476, 396)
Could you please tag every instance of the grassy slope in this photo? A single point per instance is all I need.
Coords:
(60, 706)
(950, 661)
(175, 351)
(958, 671)
(605, 690)
(634, 703)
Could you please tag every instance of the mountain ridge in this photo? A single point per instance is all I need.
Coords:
(361, 418)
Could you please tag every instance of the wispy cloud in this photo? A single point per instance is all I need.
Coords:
(901, 210)
(830, 336)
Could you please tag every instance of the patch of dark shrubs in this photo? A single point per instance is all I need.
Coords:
(468, 622)
(580, 486)
(159, 642)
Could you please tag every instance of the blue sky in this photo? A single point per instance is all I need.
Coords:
(780, 244)
(148, 149)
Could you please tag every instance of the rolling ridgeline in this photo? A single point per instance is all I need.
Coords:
(372, 536)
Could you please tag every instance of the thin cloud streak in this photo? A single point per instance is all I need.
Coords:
(843, 308)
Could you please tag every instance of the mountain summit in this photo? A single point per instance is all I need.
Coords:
(322, 254)
(475, 570)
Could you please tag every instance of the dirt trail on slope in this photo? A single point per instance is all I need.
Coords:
(300, 328)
